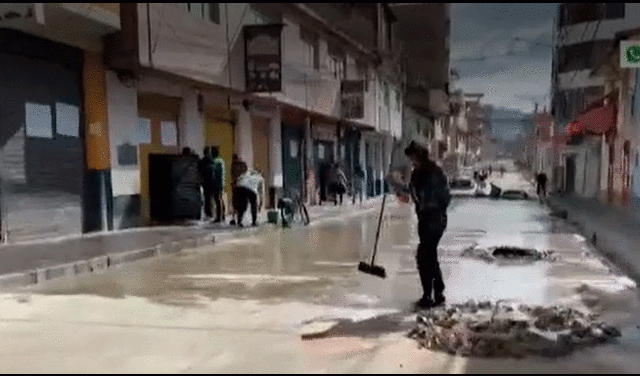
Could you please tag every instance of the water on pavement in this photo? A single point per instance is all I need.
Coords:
(264, 289)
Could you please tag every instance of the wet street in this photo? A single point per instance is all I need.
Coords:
(245, 305)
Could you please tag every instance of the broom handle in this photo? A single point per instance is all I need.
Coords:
(375, 245)
(384, 198)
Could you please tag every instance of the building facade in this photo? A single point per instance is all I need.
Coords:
(289, 88)
(586, 33)
(54, 152)
(423, 31)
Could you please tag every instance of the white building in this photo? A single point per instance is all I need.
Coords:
(585, 36)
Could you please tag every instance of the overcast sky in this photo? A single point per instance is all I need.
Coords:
(487, 30)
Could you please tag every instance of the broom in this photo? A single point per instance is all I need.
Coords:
(371, 268)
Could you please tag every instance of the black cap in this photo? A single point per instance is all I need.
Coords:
(416, 148)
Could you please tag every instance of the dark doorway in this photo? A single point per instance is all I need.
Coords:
(571, 174)
(292, 158)
(324, 158)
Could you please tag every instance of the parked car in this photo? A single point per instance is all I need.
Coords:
(463, 186)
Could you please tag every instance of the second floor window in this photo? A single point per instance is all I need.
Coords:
(337, 62)
(311, 48)
(204, 11)
(337, 66)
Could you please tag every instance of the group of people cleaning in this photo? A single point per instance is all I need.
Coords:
(247, 187)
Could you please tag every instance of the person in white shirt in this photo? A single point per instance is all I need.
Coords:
(250, 187)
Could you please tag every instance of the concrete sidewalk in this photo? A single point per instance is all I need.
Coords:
(34, 262)
(614, 231)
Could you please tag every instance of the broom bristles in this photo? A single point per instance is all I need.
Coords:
(375, 270)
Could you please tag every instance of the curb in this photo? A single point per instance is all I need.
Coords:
(100, 264)
(602, 243)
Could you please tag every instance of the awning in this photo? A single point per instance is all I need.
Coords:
(599, 118)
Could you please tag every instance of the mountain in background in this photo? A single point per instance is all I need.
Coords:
(508, 124)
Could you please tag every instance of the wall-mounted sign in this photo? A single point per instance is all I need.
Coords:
(352, 99)
(629, 54)
(263, 56)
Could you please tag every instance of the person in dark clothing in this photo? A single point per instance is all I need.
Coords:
(206, 168)
(430, 192)
(542, 184)
(217, 182)
(337, 183)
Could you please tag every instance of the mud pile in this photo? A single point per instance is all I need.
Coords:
(489, 329)
(507, 253)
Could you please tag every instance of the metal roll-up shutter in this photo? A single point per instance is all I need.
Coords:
(41, 143)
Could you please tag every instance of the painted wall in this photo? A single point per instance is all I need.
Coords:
(122, 112)
(196, 48)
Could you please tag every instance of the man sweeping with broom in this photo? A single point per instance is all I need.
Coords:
(430, 192)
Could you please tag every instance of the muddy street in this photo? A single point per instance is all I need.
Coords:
(293, 301)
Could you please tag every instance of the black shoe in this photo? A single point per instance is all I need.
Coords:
(425, 303)
(439, 300)
(217, 220)
(233, 222)
(240, 225)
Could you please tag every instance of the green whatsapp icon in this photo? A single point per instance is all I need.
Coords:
(633, 54)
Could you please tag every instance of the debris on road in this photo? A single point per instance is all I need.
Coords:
(507, 253)
(488, 329)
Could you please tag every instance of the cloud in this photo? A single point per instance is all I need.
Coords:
(488, 30)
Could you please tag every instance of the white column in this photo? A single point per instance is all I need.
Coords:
(192, 123)
(604, 164)
(275, 155)
(244, 136)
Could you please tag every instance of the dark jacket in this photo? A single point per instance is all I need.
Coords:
(542, 179)
(429, 189)
(207, 171)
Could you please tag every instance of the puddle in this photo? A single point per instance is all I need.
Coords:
(507, 253)
(492, 329)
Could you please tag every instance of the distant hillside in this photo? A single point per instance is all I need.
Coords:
(508, 124)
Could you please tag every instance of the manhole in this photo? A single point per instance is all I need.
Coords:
(489, 329)
(507, 253)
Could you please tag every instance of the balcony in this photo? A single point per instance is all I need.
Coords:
(77, 24)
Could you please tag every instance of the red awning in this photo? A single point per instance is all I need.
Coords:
(597, 120)
(575, 128)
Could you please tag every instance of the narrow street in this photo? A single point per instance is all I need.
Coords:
(243, 305)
